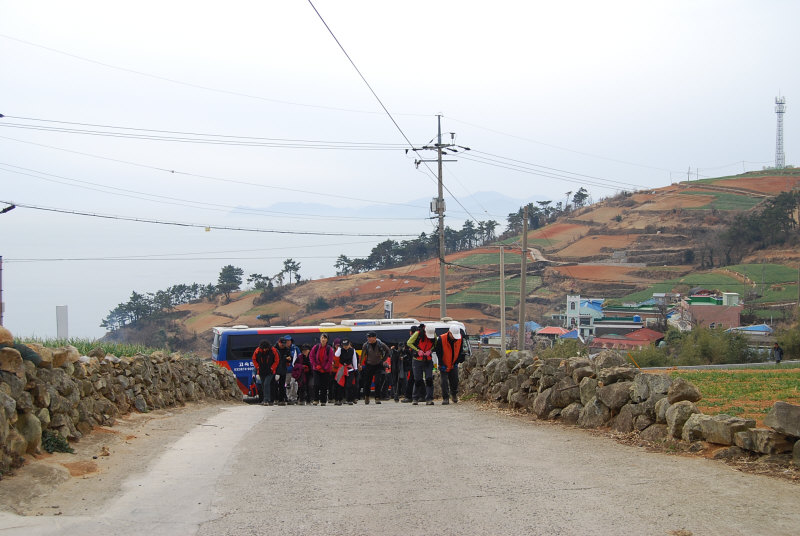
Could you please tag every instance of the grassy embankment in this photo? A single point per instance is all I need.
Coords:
(84, 346)
(746, 393)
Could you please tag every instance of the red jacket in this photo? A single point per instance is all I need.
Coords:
(266, 360)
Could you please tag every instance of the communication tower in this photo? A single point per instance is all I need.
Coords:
(780, 109)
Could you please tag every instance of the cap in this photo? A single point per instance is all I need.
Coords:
(371, 334)
(455, 332)
(430, 332)
(345, 342)
(287, 338)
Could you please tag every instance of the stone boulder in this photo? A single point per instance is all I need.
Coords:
(608, 359)
(571, 413)
(677, 415)
(763, 440)
(615, 396)
(565, 392)
(692, 430)
(654, 432)
(720, 429)
(581, 373)
(30, 428)
(543, 405)
(661, 410)
(11, 362)
(616, 374)
(682, 389)
(784, 418)
(588, 390)
(594, 414)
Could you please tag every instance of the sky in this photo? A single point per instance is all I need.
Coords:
(279, 129)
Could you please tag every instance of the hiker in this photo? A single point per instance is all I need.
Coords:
(291, 382)
(373, 353)
(408, 360)
(321, 357)
(345, 379)
(265, 359)
(280, 371)
(397, 371)
(421, 343)
(450, 352)
(777, 353)
(301, 373)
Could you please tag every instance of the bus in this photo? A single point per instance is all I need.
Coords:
(233, 347)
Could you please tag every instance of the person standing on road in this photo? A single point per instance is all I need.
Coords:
(777, 353)
(373, 354)
(280, 371)
(266, 360)
(321, 357)
(450, 351)
(301, 372)
(421, 342)
(291, 382)
(408, 360)
(345, 379)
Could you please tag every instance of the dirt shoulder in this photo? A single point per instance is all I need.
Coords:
(72, 484)
(776, 466)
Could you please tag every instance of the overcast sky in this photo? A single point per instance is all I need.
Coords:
(550, 97)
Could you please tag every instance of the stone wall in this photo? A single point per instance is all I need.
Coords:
(607, 391)
(70, 394)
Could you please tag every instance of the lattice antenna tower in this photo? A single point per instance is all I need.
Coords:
(780, 109)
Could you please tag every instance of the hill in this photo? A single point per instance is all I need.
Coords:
(624, 247)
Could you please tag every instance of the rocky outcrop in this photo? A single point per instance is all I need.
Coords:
(608, 392)
(69, 394)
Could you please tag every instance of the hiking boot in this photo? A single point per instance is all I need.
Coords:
(396, 400)
(377, 400)
(429, 403)
(366, 400)
(414, 403)
(281, 403)
(322, 403)
(271, 403)
(338, 403)
(349, 403)
(315, 402)
(445, 402)
(455, 399)
(406, 400)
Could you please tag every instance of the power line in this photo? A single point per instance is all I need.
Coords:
(386, 110)
(197, 225)
(179, 201)
(212, 139)
(213, 178)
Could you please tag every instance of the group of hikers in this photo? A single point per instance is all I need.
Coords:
(288, 374)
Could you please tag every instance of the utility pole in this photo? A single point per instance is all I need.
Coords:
(438, 206)
(522, 282)
(440, 212)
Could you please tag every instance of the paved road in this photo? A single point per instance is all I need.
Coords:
(403, 470)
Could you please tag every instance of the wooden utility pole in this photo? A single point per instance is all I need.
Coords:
(522, 282)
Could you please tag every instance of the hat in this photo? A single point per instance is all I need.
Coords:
(345, 342)
(287, 338)
(430, 332)
(455, 332)
(371, 334)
